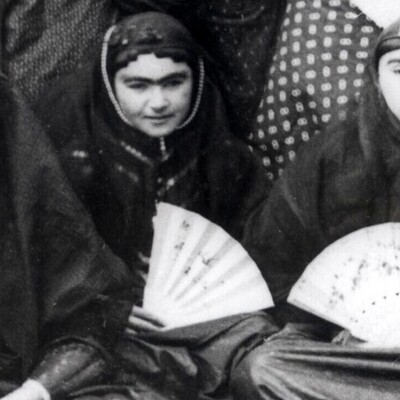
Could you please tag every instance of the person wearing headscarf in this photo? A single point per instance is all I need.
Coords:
(145, 124)
(56, 272)
(345, 180)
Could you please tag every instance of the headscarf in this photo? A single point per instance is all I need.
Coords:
(148, 33)
(389, 40)
(378, 126)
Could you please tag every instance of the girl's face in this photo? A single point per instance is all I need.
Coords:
(389, 80)
(154, 93)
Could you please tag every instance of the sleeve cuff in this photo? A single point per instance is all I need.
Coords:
(36, 390)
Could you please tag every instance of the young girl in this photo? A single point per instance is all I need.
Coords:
(345, 180)
(147, 124)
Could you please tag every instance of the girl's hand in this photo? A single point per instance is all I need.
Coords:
(141, 320)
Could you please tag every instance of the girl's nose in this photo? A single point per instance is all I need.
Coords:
(158, 101)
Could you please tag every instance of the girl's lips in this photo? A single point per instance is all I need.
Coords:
(159, 117)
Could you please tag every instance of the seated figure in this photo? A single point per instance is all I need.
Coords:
(145, 124)
(342, 181)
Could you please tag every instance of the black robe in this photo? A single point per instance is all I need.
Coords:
(56, 273)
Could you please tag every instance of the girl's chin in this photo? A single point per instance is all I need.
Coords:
(159, 129)
(158, 133)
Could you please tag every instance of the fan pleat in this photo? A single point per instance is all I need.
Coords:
(202, 266)
(230, 274)
(197, 260)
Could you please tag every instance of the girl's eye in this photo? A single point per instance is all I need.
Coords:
(137, 85)
(173, 83)
(395, 68)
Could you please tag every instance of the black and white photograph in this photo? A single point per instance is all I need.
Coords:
(200, 199)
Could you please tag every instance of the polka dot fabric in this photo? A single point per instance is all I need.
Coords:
(315, 77)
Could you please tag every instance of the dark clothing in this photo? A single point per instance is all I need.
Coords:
(301, 363)
(43, 40)
(189, 363)
(240, 36)
(343, 181)
(120, 173)
(55, 270)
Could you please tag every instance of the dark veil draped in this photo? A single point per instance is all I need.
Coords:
(53, 266)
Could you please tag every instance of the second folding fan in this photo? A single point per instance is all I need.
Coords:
(355, 283)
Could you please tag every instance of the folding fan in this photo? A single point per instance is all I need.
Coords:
(355, 283)
(198, 272)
